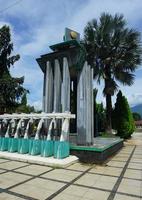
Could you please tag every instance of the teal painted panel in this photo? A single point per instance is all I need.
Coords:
(61, 149)
(47, 148)
(4, 144)
(34, 147)
(0, 142)
(23, 146)
(13, 145)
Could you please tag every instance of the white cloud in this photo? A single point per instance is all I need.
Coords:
(135, 99)
(133, 93)
(93, 9)
(37, 105)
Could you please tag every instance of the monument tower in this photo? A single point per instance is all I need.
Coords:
(68, 85)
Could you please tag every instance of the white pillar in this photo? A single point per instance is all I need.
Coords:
(57, 87)
(49, 89)
(65, 87)
(84, 106)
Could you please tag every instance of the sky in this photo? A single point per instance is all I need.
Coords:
(36, 24)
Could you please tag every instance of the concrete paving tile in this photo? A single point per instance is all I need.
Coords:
(98, 169)
(127, 148)
(32, 191)
(116, 164)
(5, 196)
(34, 169)
(138, 160)
(122, 197)
(80, 193)
(112, 171)
(1, 171)
(38, 188)
(138, 150)
(88, 179)
(46, 184)
(3, 160)
(119, 158)
(74, 190)
(62, 175)
(106, 182)
(123, 155)
(92, 194)
(130, 187)
(135, 165)
(79, 166)
(134, 174)
(12, 165)
(62, 196)
(137, 156)
(10, 178)
(98, 181)
(85, 194)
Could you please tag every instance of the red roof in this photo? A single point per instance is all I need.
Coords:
(138, 122)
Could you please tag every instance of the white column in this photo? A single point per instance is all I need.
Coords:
(84, 106)
(43, 100)
(49, 89)
(57, 87)
(65, 87)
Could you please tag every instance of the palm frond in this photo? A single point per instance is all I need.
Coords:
(109, 41)
(125, 78)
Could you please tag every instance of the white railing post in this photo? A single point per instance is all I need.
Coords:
(65, 130)
(53, 122)
(39, 128)
(26, 136)
(18, 127)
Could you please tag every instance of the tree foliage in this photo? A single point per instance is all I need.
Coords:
(136, 116)
(11, 87)
(101, 117)
(114, 51)
(23, 106)
(122, 117)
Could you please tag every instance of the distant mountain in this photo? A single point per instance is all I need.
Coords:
(137, 108)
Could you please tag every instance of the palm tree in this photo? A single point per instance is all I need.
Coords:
(114, 51)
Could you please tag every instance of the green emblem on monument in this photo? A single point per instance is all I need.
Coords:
(71, 35)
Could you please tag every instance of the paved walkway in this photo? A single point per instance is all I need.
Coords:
(119, 179)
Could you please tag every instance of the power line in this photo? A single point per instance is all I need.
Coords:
(10, 6)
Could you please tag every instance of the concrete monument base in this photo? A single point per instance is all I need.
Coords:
(50, 161)
(101, 150)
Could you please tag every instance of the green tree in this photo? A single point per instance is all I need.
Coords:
(101, 118)
(11, 88)
(114, 51)
(24, 99)
(23, 106)
(122, 117)
(95, 91)
(99, 115)
(136, 116)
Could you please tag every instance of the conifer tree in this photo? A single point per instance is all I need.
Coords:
(122, 117)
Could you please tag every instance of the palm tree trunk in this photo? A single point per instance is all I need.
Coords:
(108, 113)
(108, 98)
